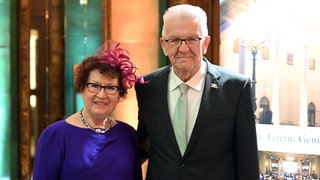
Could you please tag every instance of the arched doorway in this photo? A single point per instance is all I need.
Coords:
(311, 115)
(265, 114)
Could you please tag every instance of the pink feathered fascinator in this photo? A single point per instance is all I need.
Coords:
(118, 59)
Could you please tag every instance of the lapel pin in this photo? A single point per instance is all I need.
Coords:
(214, 85)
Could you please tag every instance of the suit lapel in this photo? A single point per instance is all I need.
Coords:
(210, 93)
(162, 85)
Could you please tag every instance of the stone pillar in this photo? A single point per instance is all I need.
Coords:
(56, 59)
(24, 88)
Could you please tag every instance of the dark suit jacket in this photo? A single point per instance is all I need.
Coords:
(223, 143)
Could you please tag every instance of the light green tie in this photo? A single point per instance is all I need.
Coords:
(179, 119)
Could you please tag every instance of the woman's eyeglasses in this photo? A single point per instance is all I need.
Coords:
(95, 88)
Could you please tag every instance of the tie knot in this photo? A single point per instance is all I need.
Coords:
(183, 87)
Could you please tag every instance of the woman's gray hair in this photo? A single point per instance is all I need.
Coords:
(186, 10)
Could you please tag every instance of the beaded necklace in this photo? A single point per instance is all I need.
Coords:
(96, 130)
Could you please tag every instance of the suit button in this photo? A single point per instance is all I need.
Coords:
(181, 165)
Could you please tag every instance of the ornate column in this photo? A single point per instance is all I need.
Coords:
(24, 87)
(56, 60)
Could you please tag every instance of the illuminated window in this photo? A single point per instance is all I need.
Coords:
(34, 35)
(33, 57)
(290, 167)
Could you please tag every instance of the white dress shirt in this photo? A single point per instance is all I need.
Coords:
(194, 94)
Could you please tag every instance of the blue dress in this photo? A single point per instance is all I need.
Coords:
(67, 152)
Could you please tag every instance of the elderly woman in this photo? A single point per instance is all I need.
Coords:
(90, 144)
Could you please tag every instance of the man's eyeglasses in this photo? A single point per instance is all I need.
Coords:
(95, 88)
(189, 41)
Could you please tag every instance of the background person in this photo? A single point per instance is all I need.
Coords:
(90, 144)
(220, 135)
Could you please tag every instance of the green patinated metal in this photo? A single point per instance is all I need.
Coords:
(8, 90)
(84, 35)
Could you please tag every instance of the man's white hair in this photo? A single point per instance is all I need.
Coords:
(186, 10)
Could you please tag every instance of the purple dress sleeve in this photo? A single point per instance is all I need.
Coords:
(49, 153)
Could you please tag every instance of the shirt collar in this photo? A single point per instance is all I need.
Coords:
(196, 82)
